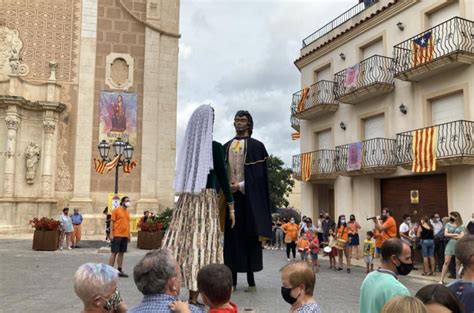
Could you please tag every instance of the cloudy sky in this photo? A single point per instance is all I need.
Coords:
(238, 55)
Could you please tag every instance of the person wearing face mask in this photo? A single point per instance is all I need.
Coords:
(382, 285)
(291, 235)
(438, 229)
(298, 281)
(453, 230)
(120, 234)
(343, 233)
(96, 285)
(327, 224)
(354, 241)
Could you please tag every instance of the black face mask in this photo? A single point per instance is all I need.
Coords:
(286, 294)
(452, 219)
(404, 268)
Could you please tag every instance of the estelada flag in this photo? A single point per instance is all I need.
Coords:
(422, 49)
(301, 104)
(295, 136)
(424, 150)
(306, 164)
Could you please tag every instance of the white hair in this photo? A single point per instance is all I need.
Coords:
(92, 279)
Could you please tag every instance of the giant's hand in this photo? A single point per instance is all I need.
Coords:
(231, 215)
(234, 186)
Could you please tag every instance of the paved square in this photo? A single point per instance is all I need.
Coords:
(33, 281)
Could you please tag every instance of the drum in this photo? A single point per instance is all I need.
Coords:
(327, 250)
(340, 244)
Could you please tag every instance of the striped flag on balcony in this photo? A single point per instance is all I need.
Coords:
(306, 163)
(423, 49)
(295, 136)
(424, 153)
(304, 95)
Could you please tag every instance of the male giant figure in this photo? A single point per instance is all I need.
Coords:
(247, 167)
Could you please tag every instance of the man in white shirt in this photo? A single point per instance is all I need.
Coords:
(404, 230)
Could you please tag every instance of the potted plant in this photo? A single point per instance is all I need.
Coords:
(153, 229)
(46, 235)
(149, 235)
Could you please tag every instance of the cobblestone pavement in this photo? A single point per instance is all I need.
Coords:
(33, 281)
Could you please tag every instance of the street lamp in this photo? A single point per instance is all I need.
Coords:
(124, 152)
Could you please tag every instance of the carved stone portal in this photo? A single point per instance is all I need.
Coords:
(119, 71)
(32, 156)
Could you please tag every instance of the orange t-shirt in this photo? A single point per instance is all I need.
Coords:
(343, 233)
(121, 222)
(391, 231)
(378, 238)
(303, 244)
(291, 231)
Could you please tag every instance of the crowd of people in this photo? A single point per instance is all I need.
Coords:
(223, 190)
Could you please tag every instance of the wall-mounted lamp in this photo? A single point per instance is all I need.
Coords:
(400, 26)
(342, 56)
(403, 108)
(343, 126)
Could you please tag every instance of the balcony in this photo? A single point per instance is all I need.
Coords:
(315, 100)
(376, 156)
(454, 144)
(370, 78)
(295, 123)
(338, 21)
(322, 165)
(438, 49)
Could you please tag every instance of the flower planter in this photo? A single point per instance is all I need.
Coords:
(149, 240)
(45, 240)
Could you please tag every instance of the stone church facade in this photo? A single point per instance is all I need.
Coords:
(57, 59)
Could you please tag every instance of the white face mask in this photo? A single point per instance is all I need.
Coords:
(127, 204)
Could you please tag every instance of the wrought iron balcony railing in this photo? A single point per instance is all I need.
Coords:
(455, 36)
(317, 94)
(341, 19)
(295, 122)
(323, 163)
(378, 155)
(375, 70)
(454, 140)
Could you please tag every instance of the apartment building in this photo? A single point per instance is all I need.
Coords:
(385, 84)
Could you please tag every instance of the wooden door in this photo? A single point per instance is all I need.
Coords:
(432, 191)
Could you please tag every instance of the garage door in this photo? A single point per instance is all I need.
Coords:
(447, 109)
(432, 191)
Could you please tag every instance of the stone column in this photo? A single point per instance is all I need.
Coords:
(12, 120)
(85, 109)
(49, 126)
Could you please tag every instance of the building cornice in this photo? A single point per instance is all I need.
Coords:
(349, 34)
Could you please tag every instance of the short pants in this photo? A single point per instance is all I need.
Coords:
(314, 256)
(368, 259)
(119, 244)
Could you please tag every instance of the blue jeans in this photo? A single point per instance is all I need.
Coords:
(279, 238)
(427, 248)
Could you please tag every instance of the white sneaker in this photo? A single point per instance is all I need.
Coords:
(69, 248)
(60, 248)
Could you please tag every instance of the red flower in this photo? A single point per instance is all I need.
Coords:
(45, 223)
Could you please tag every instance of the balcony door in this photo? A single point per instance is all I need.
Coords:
(451, 137)
(323, 158)
(443, 14)
(325, 94)
(374, 127)
(372, 70)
